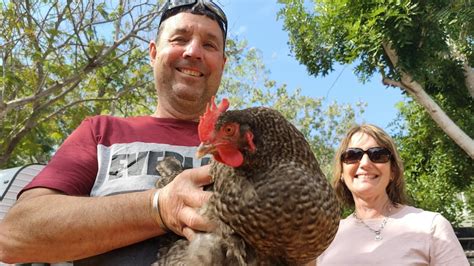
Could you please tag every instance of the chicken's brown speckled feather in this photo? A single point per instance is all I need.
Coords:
(276, 208)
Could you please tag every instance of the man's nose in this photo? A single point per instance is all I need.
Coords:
(193, 50)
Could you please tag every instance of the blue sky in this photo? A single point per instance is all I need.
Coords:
(255, 20)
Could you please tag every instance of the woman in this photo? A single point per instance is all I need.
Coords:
(383, 230)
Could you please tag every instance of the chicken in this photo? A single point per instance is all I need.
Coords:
(271, 202)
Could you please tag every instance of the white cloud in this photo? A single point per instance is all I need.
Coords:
(240, 31)
(274, 56)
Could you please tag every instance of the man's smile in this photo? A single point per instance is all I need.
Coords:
(190, 72)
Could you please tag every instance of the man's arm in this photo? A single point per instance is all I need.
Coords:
(47, 226)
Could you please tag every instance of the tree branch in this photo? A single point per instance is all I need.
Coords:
(390, 82)
(437, 114)
(64, 108)
(468, 70)
(51, 35)
(469, 78)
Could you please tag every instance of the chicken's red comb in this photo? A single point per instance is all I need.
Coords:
(208, 120)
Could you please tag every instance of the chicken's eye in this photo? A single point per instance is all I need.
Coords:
(229, 130)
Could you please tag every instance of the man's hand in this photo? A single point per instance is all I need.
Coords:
(180, 200)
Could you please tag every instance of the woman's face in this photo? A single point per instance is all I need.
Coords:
(366, 179)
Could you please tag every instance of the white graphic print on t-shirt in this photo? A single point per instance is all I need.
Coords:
(131, 166)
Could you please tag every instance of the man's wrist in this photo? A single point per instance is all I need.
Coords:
(155, 210)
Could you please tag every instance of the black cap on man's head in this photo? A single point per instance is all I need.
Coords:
(200, 7)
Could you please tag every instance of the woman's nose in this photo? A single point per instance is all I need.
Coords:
(365, 160)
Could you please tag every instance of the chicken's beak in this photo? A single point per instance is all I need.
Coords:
(204, 149)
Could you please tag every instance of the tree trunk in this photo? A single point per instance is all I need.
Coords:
(437, 114)
(469, 74)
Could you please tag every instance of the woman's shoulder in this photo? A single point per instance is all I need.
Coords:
(414, 211)
(414, 215)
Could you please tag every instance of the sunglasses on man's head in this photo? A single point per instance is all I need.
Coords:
(209, 4)
(376, 155)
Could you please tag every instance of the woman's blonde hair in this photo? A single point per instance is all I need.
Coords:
(396, 187)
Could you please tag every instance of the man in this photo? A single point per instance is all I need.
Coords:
(113, 161)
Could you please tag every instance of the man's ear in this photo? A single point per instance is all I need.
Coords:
(152, 52)
(223, 64)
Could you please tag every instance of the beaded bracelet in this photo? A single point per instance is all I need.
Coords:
(155, 210)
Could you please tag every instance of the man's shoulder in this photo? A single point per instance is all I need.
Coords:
(116, 119)
(103, 123)
(110, 119)
(108, 130)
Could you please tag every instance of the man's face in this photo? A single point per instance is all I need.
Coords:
(188, 61)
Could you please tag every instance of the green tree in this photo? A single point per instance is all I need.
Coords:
(423, 47)
(60, 64)
(64, 60)
(418, 46)
(439, 175)
(246, 84)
